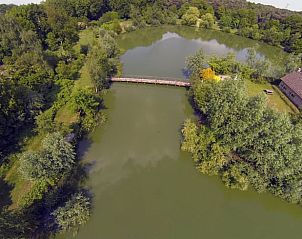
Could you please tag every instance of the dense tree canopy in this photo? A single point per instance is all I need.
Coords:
(52, 162)
(74, 213)
(244, 141)
(102, 60)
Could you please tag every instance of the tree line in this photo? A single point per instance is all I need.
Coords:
(278, 27)
(40, 65)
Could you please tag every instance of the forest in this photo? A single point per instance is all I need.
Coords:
(47, 106)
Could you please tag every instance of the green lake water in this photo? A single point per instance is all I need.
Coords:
(162, 51)
(144, 187)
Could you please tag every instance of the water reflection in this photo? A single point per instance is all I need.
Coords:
(166, 56)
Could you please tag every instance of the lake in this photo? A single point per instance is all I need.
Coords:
(162, 51)
(144, 187)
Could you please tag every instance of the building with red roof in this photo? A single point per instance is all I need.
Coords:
(291, 86)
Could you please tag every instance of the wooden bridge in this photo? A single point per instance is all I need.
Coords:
(152, 80)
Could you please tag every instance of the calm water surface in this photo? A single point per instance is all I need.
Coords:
(162, 51)
(144, 186)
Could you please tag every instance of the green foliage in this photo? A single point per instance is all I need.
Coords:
(16, 224)
(208, 21)
(191, 16)
(244, 141)
(63, 26)
(88, 105)
(195, 63)
(273, 26)
(235, 178)
(37, 193)
(260, 67)
(190, 134)
(52, 162)
(98, 67)
(73, 214)
(109, 17)
(256, 68)
(207, 153)
(45, 121)
(18, 107)
(69, 70)
(5, 7)
(122, 7)
(102, 61)
(293, 62)
(225, 65)
(85, 102)
(113, 26)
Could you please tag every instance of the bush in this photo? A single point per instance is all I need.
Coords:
(36, 193)
(73, 214)
(113, 26)
(109, 17)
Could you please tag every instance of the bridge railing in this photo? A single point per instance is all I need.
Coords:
(153, 77)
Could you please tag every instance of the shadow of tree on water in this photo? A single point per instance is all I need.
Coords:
(5, 198)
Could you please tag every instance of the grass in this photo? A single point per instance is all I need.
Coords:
(21, 187)
(86, 37)
(275, 101)
(67, 115)
(84, 80)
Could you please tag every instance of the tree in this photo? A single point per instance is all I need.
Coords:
(98, 67)
(10, 39)
(260, 67)
(102, 61)
(18, 107)
(208, 21)
(122, 7)
(225, 65)
(206, 151)
(273, 36)
(235, 178)
(52, 162)
(208, 74)
(16, 224)
(196, 63)
(63, 27)
(109, 17)
(73, 214)
(88, 106)
(244, 141)
(190, 136)
(292, 62)
(5, 7)
(191, 16)
(97, 8)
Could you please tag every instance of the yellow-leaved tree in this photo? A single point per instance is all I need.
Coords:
(209, 74)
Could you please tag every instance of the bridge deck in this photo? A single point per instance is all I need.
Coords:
(152, 81)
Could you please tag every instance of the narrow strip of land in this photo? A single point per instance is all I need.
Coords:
(152, 81)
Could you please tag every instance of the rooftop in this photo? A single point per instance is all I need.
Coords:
(294, 81)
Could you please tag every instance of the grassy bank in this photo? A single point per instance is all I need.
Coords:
(277, 100)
